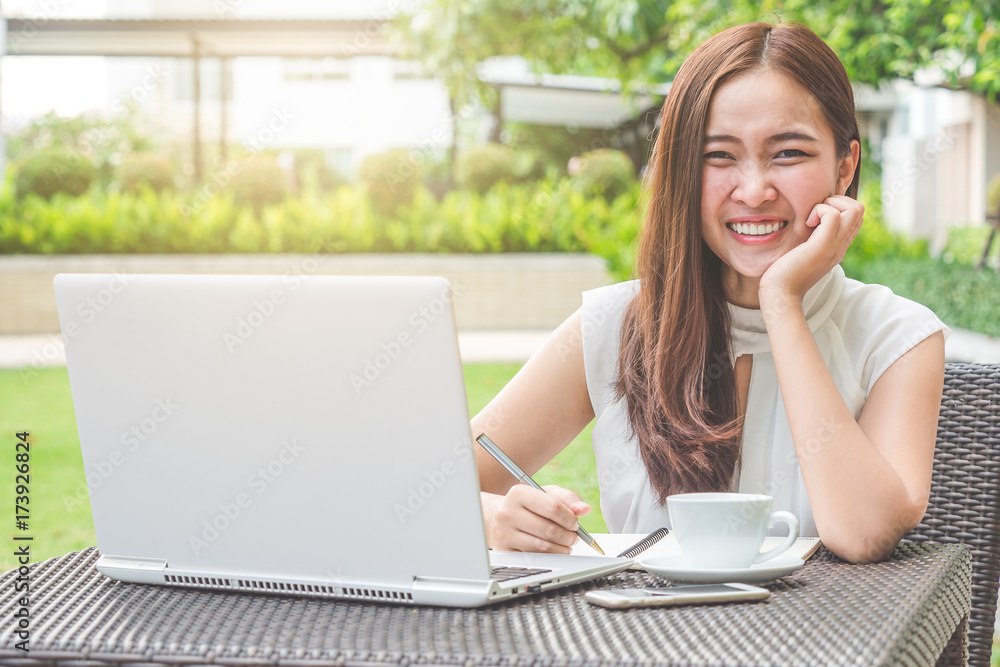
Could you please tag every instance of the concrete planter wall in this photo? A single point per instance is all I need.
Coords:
(506, 291)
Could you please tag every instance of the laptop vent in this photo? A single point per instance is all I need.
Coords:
(198, 581)
(375, 594)
(263, 586)
(278, 586)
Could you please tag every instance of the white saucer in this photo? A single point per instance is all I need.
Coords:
(677, 569)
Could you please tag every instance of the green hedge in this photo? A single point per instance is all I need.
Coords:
(550, 216)
(876, 242)
(51, 171)
(605, 172)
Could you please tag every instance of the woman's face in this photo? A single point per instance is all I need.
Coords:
(768, 157)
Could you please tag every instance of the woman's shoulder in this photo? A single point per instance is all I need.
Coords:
(878, 326)
(871, 307)
(610, 298)
(602, 313)
(600, 327)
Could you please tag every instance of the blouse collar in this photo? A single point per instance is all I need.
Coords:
(748, 333)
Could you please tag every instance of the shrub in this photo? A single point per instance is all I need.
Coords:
(437, 175)
(310, 172)
(315, 176)
(259, 182)
(148, 170)
(550, 216)
(605, 172)
(876, 242)
(391, 179)
(530, 165)
(993, 196)
(53, 170)
(481, 167)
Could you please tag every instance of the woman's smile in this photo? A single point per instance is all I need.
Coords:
(756, 229)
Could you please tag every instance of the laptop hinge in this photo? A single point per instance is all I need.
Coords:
(137, 570)
(441, 590)
(129, 563)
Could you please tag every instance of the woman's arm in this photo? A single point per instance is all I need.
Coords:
(532, 419)
(868, 480)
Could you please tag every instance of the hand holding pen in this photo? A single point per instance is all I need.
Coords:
(522, 476)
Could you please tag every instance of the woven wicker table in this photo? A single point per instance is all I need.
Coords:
(908, 610)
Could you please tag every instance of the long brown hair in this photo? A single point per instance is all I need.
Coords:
(674, 366)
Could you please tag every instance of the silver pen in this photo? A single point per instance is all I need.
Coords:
(522, 476)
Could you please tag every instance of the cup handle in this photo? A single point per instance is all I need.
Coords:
(793, 533)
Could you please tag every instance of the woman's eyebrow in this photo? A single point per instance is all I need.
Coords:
(784, 136)
(724, 138)
(791, 136)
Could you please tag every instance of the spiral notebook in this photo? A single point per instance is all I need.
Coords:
(661, 542)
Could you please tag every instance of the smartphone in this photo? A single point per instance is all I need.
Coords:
(622, 598)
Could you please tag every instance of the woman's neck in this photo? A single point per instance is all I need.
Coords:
(741, 291)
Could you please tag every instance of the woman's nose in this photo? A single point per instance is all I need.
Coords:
(753, 186)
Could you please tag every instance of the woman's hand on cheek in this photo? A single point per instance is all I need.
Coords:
(834, 222)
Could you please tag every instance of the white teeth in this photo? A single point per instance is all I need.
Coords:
(750, 229)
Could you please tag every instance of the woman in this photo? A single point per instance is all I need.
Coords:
(741, 359)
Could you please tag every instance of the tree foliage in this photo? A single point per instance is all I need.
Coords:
(642, 42)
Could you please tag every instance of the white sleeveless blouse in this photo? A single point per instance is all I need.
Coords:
(860, 330)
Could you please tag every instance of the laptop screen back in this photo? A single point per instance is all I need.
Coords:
(275, 425)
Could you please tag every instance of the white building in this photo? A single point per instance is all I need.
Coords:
(941, 149)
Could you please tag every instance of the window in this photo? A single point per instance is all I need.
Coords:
(316, 69)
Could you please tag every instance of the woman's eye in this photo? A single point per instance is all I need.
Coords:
(717, 155)
(791, 153)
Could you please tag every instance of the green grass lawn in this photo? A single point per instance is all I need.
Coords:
(40, 403)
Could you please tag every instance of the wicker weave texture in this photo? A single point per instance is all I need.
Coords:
(965, 491)
(900, 612)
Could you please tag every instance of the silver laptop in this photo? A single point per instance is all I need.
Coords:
(304, 435)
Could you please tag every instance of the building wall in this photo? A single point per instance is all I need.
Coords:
(992, 123)
(349, 107)
(941, 148)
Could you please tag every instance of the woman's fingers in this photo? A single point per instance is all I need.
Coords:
(819, 212)
(532, 520)
(569, 498)
(835, 223)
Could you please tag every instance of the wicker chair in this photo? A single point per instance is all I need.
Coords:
(965, 492)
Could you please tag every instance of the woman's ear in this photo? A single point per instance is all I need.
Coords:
(845, 171)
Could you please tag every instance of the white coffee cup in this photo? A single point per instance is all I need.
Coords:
(726, 530)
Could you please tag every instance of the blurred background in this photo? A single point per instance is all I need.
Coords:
(501, 143)
(248, 126)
